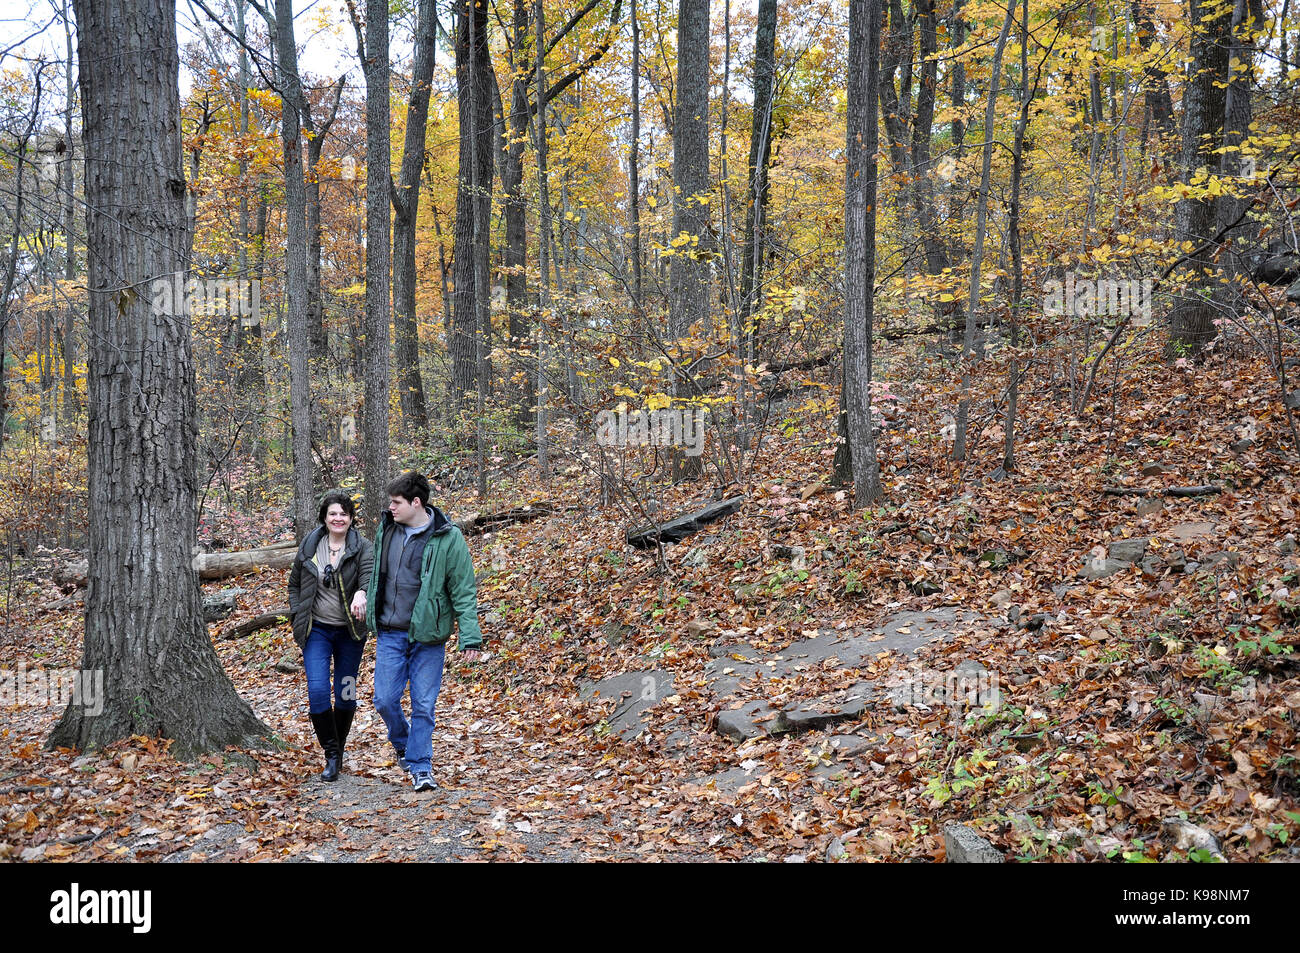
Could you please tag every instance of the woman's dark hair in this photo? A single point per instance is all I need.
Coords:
(410, 486)
(340, 497)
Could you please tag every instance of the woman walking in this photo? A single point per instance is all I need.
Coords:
(327, 599)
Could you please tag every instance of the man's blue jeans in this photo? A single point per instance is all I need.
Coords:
(398, 661)
(326, 642)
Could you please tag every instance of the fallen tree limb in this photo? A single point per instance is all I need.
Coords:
(678, 528)
(264, 621)
(479, 523)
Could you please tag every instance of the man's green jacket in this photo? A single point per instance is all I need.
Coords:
(448, 590)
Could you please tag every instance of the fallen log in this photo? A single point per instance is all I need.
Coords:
(678, 528)
(477, 524)
(280, 555)
(264, 621)
(209, 565)
(220, 565)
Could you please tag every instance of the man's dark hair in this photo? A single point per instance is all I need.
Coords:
(340, 497)
(410, 486)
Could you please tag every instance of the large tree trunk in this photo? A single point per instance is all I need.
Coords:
(689, 272)
(406, 208)
(144, 624)
(861, 143)
(1192, 318)
(378, 197)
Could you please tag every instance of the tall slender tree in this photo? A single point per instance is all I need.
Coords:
(406, 207)
(862, 139)
(689, 272)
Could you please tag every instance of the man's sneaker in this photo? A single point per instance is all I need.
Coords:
(423, 781)
(401, 759)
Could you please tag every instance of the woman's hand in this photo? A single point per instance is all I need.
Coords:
(359, 604)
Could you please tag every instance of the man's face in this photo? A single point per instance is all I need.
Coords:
(407, 512)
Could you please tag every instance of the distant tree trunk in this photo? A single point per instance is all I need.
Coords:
(406, 207)
(689, 272)
(315, 310)
(544, 243)
(295, 253)
(861, 142)
(1013, 227)
(1154, 84)
(634, 161)
(760, 154)
(518, 306)
(378, 288)
(144, 636)
(970, 351)
(71, 401)
(1191, 321)
(475, 120)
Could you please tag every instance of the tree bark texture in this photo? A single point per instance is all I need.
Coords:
(144, 621)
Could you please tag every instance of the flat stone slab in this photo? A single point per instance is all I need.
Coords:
(637, 692)
(822, 713)
(903, 633)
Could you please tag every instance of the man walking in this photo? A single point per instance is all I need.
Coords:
(421, 584)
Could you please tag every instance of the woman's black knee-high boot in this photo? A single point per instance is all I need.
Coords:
(327, 735)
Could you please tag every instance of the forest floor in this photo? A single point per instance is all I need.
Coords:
(793, 684)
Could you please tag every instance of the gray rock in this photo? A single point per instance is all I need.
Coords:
(741, 724)
(1101, 568)
(288, 665)
(1148, 505)
(615, 631)
(1184, 835)
(781, 551)
(835, 851)
(636, 692)
(814, 716)
(1151, 567)
(1127, 550)
(1225, 559)
(696, 559)
(964, 846)
(846, 746)
(221, 604)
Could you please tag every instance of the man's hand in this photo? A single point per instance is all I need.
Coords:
(359, 604)
(471, 656)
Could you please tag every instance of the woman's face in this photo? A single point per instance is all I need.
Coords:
(337, 519)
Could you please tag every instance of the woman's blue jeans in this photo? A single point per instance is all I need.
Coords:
(326, 643)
